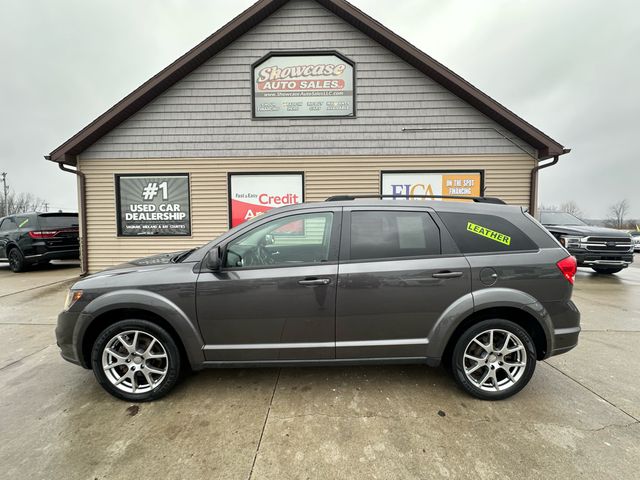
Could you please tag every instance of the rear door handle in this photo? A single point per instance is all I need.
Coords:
(447, 275)
(314, 282)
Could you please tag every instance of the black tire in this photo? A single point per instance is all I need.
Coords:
(606, 270)
(167, 346)
(17, 262)
(522, 374)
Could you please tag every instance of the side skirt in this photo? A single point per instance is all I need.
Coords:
(432, 362)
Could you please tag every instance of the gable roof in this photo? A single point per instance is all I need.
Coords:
(65, 153)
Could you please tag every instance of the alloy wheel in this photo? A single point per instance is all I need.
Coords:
(14, 260)
(135, 361)
(495, 360)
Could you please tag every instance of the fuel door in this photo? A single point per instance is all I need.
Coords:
(488, 276)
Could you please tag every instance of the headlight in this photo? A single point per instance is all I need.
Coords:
(568, 241)
(72, 297)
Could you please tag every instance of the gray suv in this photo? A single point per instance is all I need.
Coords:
(482, 288)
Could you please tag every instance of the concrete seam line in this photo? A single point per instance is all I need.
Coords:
(26, 356)
(264, 425)
(39, 286)
(595, 393)
(28, 324)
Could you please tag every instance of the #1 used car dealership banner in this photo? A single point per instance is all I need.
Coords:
(408, 184)
(303, 86)
(153, 205)
(251, 195)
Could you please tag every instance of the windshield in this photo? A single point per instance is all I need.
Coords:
(559, 218)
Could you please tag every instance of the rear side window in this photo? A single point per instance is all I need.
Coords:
(48, 222)
(23, 221)
(475, 233)
(392, 234)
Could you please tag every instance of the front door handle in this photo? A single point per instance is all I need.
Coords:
(314, 282)
(447, 275)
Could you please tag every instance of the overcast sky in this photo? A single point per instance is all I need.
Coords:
(571, 68)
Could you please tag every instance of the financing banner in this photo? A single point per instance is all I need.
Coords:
(153, 205)
(303, 86)
(409, 184)
(251, 195)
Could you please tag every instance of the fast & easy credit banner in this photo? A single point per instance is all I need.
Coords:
(251, 195)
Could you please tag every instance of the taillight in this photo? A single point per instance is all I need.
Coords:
(568, 266)
(40, 234)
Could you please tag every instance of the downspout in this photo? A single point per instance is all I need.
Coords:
(84, 261)
(533, 198)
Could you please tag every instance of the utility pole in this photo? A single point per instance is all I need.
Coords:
(45, 207)
(6, 193)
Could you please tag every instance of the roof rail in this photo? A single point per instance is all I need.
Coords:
(496, 200)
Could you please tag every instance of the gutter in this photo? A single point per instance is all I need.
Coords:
(534, 180)
(84, 261)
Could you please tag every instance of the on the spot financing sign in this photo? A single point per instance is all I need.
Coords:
(408, 184)
(303, 86)
(254, 194)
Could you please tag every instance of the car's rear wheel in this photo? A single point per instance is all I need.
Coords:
(606, 270)
(17, 262)
(136, 360)
(494, 359)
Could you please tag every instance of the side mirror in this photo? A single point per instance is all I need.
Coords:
(212, 260)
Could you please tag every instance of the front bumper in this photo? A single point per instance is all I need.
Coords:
(602, 259)
(65, 337)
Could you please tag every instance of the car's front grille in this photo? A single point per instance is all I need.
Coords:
(607, 244)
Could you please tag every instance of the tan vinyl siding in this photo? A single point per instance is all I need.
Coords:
(506, 176)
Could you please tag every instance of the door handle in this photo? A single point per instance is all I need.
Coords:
(447, 275)
(314, 282)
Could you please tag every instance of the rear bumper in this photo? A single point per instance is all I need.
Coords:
(71, 254)
(566, 321)
(564, 339)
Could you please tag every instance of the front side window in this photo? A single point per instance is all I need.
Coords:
(288, 241)
(392, 234)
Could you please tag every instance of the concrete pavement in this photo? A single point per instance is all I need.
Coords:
(578, 418)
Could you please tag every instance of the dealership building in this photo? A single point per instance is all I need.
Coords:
(293, 100)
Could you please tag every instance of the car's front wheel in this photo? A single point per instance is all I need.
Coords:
(494, 359)
(606, 270)
(136, 360)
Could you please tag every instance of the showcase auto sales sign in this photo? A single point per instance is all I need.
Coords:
(254, 194)
(303, 86)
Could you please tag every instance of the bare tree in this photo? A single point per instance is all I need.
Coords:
(20, 203)
(617, 213)
(571, 207)
(548, 208)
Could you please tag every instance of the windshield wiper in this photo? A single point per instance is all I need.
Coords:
(181, 256)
